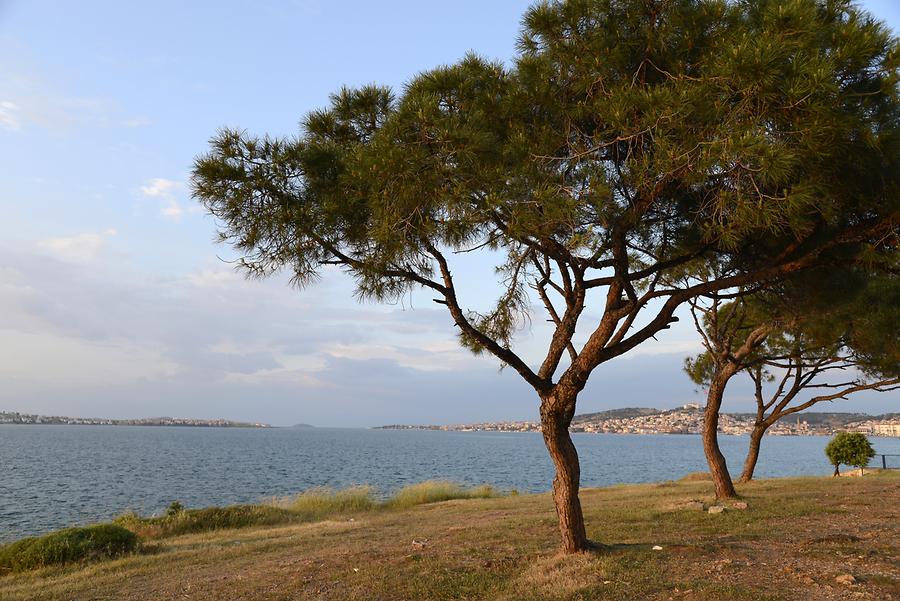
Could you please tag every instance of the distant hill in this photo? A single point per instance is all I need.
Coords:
(829, 419)
(624, 413)
(303, 426)
(688, 417)
(833, 420)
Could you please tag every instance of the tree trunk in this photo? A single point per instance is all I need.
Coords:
(753, 452)
(556, 416)
(718, 469)
(837, 470)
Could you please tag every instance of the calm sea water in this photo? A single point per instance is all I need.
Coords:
(57, 476)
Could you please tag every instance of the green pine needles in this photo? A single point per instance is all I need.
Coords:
(631, 149)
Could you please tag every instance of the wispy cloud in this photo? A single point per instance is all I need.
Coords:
(31, 100)
(9, 116)
(160, 187)
(165, 190)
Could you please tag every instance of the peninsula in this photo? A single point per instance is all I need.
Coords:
(12, 417)
(688, 419)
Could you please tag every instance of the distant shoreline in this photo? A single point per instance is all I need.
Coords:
(688, 420)
(27, 419)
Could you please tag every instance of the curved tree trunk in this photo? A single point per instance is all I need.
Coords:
(717, 466)
(556, 416)
(753, 452)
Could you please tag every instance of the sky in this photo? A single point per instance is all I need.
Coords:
(116, 302)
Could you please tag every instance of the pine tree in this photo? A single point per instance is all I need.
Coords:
(632, 144)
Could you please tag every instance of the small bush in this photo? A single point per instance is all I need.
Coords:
(849, 448)
(434, 491)
(91, 543)
(174, 508)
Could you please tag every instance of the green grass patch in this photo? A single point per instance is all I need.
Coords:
(91, 543)
(435, 491)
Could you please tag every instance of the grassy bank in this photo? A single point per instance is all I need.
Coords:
(313, 505)
(799, 539)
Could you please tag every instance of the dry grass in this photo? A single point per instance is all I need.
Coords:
(192, 521)
(796, 538)
(318, 503)
(313, 505)
(561, 575)
(435, 491)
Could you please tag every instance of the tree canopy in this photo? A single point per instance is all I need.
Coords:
(683, 129)
(819, 336)
(849, 448)
(629, 146)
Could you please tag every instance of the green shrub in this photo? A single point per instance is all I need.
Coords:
(434, 491)
(174, 508)
(849, 448)
(91, 543)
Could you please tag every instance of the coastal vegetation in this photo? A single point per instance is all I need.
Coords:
(72, 545)
(634, 156)
(203, 520)
(800, 538)
(125, 534)
(438, 490)
(313, 505)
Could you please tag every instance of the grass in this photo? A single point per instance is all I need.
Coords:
(310, 506)
(104, 541)
(320, 503)
(435, 491)
(191, 521)
(797, 536)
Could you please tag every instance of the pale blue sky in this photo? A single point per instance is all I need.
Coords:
(113, 300)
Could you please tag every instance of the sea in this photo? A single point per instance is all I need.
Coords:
(58, 476)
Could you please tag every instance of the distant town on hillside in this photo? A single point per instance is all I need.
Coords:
(12, 417)
(688, 419)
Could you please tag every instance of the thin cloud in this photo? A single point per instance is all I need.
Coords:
(9, 117)
(160, 187)
(31, 101)
(165, 190)
(80, 248)
(135, 122)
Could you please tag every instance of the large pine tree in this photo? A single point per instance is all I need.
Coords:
(631, 145)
